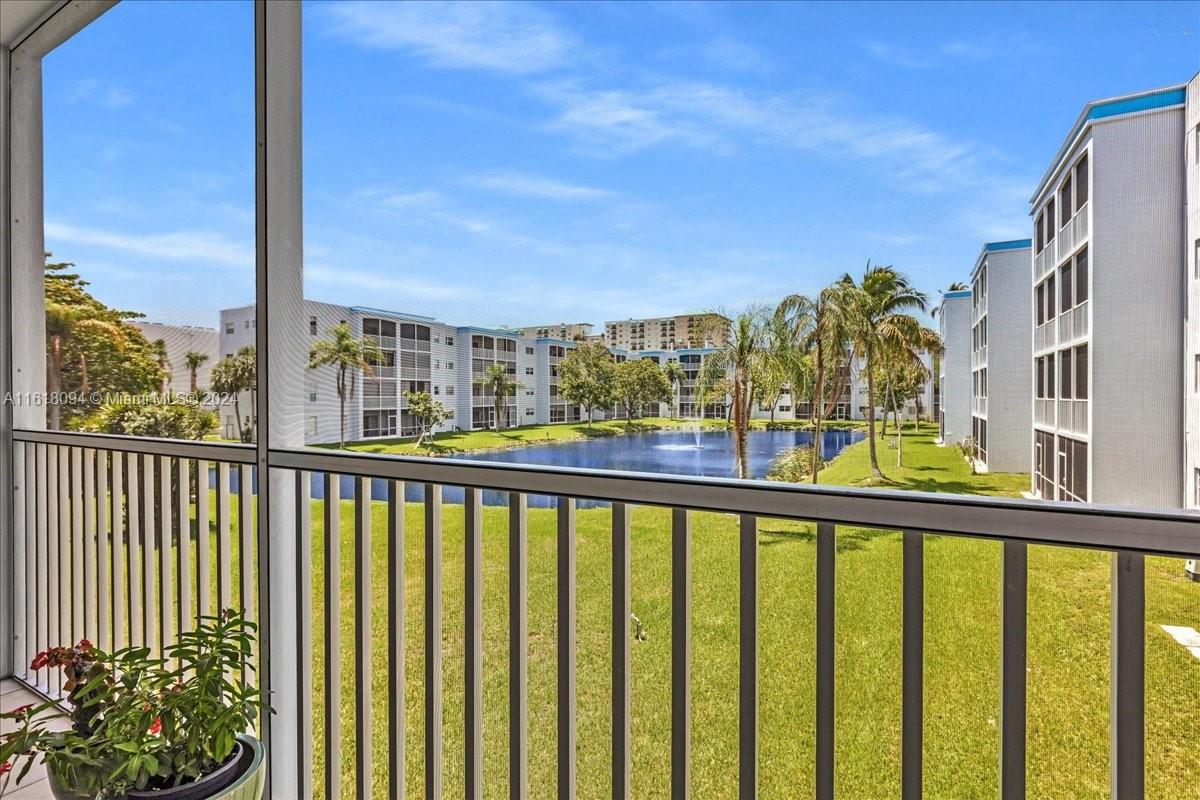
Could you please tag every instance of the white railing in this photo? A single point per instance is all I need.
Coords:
(1043, 412)
(139, 571)
(1073, 416)
(1044, 336)
(1081, 224)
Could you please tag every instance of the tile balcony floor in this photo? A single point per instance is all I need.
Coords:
(35, 786)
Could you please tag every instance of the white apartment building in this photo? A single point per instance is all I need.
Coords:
(684, 331)
(181, 340)
(1001, 336)
(1111, 290)
(954, 377)
(569, 331)
(1191, 353)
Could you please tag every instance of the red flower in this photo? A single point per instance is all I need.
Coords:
(84, 644)
(20, 712)
(41, 660)
(155, 727)
(5, 768)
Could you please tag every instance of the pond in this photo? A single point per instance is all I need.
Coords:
(701, 453)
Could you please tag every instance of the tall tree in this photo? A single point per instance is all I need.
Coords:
(91, 349)
(738, 359)
(673, 372)
(876, 310)
(194, 359)
(638, 383)
(426, 411)
(497, 383)
(159, 347)
(586, 376)
(348, 356)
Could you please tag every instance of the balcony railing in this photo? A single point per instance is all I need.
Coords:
(108, 549)
(1073, 323)
(1044, 412)
(1044, 336)
(1073, 416)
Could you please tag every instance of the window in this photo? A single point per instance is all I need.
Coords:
(1065, 374)
(1039, 368)
(528, 351)
(450, 341)
(1037, 228)
(1050, 377)
(437, 390)
(1050, 298)
(1081, 372)
(1039, 303)
(1081, 182)
(1065, 296)
(449, 390)
(529, 412)
(1050, 221)
(1064, 202)
(229, 327)
(312, 397)
(529, 370)
(1081, 276)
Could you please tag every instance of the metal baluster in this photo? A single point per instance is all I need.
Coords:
(1013, 601)
(183, 550)
(473, 641)
(748, 660)
(1127, 684)
(89, 543)
(518, 646)
(224, 540)
(396, 674)
(149, 552)
(166, 524)
(433, 640)
(304, 610)
(120, 629)
(246, 538)
(203, 543)
(826, 658)
(621, 611)
(333, 644)
(23, 509)
(913, 664)
(362, 633)
(77, 562)
(37, 620)
(681, 654)
(104, 633)
(137, 635)
(567, 769)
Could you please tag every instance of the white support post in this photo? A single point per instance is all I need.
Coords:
(282, 356)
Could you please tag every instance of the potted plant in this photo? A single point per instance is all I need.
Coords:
(143, 728)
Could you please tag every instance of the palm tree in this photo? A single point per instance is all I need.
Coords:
(159, 348)
(500, 384)
(675, 376)
(875, 311)
(233, 375)
(957, 286)
(345, 354)
(738, 359)
(194, 359)
(63, 323)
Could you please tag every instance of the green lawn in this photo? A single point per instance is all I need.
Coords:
(1068, 654)
(466, 441)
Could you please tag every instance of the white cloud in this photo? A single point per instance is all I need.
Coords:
(897, 56)
(523, 184)
(501, 36)
(709, 116)
(90, 90)
(200, 247)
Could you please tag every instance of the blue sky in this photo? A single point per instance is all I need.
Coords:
(517, 164)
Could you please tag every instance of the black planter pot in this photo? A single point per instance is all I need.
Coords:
(209, 785)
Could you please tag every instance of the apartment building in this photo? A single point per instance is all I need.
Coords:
(567, 331)
(1191, 367)
(482, 348)
(685, 331)
(954, 376)
(1001, 337)
(179, 341)
(1111, 288)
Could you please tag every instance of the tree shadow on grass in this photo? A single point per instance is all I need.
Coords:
(847, 539)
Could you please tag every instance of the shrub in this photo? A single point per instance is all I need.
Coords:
(793, 465)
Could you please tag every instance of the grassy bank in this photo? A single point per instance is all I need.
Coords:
(475, 441)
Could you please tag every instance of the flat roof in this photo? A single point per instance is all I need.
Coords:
(1149, 100)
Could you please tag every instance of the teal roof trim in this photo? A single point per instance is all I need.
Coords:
(1013, 244)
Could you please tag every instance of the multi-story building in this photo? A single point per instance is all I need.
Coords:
(1001, 335)
(482, 348)
(954, 377)
(1111, 286)
(179, 341)
(569, 331)
(685, 331)
(1191, 353)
